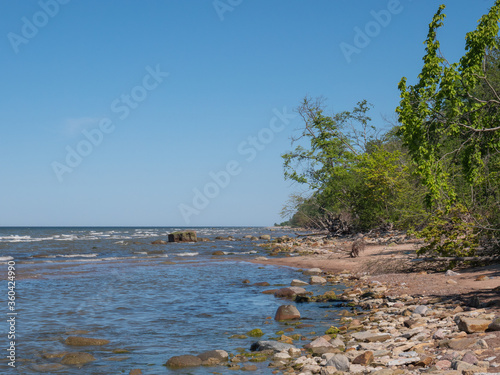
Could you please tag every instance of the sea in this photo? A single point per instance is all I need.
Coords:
(151, 302)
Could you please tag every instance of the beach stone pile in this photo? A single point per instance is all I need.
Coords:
(395, 335)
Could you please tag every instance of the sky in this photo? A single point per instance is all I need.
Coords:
(175, 112)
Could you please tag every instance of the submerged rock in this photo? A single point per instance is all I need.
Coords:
(84, 341)
(77, 359)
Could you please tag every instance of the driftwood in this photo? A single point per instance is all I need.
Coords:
(312, 234)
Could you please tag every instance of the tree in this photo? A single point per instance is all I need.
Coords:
(450, 124)
(356, 177)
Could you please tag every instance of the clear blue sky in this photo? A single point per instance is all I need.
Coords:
(170, 91)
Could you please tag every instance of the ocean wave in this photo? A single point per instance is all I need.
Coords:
(78, 255)
(6, 259)
(193, 254)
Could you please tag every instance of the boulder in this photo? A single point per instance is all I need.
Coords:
(213, 357)
(471, 325)
(421, 310)
(182, 236)
(296, 282)
(181, 361)
(271, 345)
(314, 280)
(340, 362)
(84, 341)
(77, 359)
(136, 371)
(159, 242)
(265, 237)
(287, 312)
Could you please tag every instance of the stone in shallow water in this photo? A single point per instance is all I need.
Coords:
(296, 282)
(77, 359)
(84, 341)
(181, 361)
(315, 280)
(47, 367)
(270, 345)
(287, 312)
(312, 271)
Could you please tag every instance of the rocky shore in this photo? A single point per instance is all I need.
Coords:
(379, 333)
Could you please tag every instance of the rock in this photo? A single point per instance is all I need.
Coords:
(182, 236)
(213, 357)
(296, 282)
(84, 341)
(136, 371)
(287, 312)
(281, 356)
(263, 283)
(451, 282)
(77, 359)
(439, 335)
(246, 281)
(312, 271)
(159, 242)
(265, 237)
(495, 324)
(289, 292)
(371, 336)
(421, 310)
(363, 359)
(457, 344)
(443, 364)
(328, 370)
(181, 361)
(320, 346)
(424, 362)
(249, 368)
(471, 325)
(403, 361)
(257, 332)
(337, 343)
(464, 366)
(315, 280)
(218, 252)
(451, 273)
(482, 277)
(270, 345)
(340, 362)
(47, 367)
(470, 358)
(54, 355)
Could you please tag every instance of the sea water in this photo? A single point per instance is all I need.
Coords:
(152, 301)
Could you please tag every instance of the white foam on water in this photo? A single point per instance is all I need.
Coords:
(79, 255)
(187, 254)
(6, 259)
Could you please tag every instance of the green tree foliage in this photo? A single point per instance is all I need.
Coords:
(450, 124)
(357, 179)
